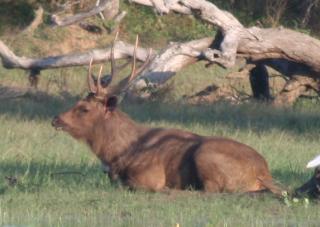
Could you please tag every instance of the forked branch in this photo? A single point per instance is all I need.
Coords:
(103, 5)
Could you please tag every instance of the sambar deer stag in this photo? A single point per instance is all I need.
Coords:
(158, 159)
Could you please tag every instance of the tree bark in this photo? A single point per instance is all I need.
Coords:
(122, 50)
(36, 22)
(252, 43)
(112, 10)
(172, 59)
(294, 88)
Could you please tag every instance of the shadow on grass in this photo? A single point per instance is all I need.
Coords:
(33, 176)
(250, 116)
(30, 107)
(289, 179)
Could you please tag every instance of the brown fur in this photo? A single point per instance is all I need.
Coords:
(158, 158)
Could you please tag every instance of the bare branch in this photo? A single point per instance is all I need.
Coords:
(170, 60)
(294, 88)
(122, 50)
(164, 7)
(120, 17)
(57, 21)
(36, 22)
(310, 5)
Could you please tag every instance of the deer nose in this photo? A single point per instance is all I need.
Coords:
(55, 122)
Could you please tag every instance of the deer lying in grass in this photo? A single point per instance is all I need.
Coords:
(159, 158)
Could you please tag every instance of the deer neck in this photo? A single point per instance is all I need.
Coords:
(114, 137)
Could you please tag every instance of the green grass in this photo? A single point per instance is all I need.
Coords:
(60, 183)
(157, 31)
(14, 15)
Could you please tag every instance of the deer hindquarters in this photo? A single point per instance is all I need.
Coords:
(151, 178)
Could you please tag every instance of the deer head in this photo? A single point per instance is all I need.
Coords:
(90, 113)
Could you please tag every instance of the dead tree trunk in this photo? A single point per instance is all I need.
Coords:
(259, 81)
(254, 44)
(163, 66)
(294, 88)
(122, 50)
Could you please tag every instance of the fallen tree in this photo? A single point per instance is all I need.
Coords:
(164, 64)
(253, 43)
(256, 45)
(122, 50)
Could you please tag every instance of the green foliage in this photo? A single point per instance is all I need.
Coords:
(156, 30)
(17, 14)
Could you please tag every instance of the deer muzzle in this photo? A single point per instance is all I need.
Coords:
(57, 123)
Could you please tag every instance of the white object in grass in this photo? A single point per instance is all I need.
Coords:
(314, 162)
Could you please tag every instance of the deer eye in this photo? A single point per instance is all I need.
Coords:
(82, 109)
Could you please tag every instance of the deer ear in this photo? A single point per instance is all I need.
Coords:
(111, 103)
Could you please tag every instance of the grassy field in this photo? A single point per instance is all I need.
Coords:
(49, 179)
(60, 183)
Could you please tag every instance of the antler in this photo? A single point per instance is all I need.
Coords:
(91, 85)
(135, 72)
(113, 63)
(99, 87)
(133, 67)
(125, 83)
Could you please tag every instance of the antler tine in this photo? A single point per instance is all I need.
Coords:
(99, 87)
(125, 83)
(133, 69)
(145, 64)
(90, 79)
(113, 64)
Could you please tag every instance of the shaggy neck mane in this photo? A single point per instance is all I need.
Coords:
(114, 136)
